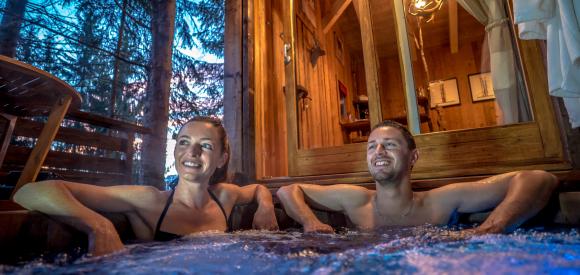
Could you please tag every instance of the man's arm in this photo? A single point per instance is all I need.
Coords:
(76, 204)
(339, 197)
(516, 196)
(265, 217)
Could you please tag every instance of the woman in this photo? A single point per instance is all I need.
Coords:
(198, 202)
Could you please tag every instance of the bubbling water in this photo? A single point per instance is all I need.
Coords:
(423, 249)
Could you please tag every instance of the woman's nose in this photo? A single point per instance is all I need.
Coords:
(195, 149)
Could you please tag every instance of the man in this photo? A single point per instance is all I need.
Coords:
(391, 154)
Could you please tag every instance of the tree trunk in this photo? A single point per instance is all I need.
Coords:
(115, 86)
(157, 95)
(10, 26)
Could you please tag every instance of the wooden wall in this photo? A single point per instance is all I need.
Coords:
(270, 111)
(319, 123)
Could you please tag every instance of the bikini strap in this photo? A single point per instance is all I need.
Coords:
(228, 221)
(167, 204)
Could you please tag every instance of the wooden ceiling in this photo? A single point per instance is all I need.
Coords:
(435, 33)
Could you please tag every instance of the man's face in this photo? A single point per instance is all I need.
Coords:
(388, 155)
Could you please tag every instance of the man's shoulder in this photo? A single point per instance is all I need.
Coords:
(355, 195)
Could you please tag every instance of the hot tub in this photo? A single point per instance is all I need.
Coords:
(421, 250)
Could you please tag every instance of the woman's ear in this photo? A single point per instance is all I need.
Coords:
(223, 160)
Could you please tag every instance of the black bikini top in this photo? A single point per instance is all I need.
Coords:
(167, 236)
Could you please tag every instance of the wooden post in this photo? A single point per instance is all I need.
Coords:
(238, 98)
(413, 122)
(129, 151)
(248, 129)
(453, 27)
(42, 146)
(6, 134)
(290, 96)
(371, 61)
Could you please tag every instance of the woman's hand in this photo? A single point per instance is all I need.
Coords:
(265, 218)
(104, 240)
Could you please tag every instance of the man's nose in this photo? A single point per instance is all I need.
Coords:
(380, 149)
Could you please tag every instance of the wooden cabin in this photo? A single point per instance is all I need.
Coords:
(314, 76)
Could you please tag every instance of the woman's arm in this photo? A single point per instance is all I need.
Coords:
(76, 204)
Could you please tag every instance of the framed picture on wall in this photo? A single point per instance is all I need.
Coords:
(443, 93)
(309, 10)
(481, 87)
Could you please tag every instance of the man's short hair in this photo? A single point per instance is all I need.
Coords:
(406, 134)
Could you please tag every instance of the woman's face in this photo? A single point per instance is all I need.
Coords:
(198, 152)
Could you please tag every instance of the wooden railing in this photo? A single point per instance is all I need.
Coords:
(99, 152)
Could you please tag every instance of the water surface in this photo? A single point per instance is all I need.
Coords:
(420, 250)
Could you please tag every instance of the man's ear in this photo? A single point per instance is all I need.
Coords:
(414, 157)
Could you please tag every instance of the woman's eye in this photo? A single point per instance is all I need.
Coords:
(207, 146)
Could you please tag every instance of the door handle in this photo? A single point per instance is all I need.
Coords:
(287, 57)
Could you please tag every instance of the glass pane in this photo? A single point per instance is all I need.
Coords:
(332, 108)
(466, 77)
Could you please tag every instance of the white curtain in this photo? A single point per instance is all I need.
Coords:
(558, 22)
(491, 13)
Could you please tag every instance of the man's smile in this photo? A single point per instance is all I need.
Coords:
(382, 162)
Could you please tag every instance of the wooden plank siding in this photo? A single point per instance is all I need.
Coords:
(269, 79)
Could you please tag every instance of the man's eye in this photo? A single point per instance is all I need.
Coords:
(371, 147)
(390, 145)
(207, 146)
(183, 142)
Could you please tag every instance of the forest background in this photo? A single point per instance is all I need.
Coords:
(153, 62)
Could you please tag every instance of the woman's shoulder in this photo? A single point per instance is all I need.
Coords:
(139, 194)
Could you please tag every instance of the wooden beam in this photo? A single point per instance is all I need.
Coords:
(453, 27)
(337, 10)
(42, 146)
(371, 62)
(289, 22)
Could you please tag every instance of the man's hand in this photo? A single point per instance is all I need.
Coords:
(265, 218)
(104, 241)
(317, 227)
